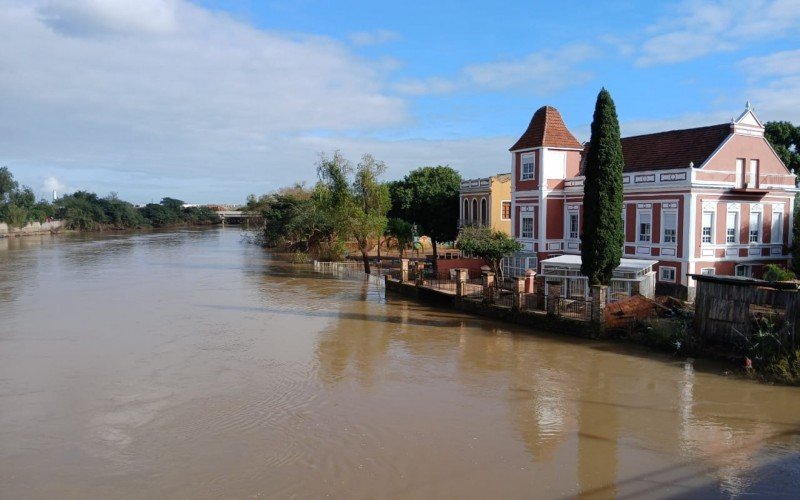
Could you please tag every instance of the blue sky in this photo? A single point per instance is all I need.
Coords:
(209, 101)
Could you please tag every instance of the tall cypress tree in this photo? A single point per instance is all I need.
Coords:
(603, 235)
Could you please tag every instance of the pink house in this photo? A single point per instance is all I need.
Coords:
(707, 200)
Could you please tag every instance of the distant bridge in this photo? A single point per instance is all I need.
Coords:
(237, 216)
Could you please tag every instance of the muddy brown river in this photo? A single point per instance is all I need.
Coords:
(191, 365)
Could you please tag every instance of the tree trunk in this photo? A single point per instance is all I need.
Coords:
(435, 255)
(366, 260)
(380, 240)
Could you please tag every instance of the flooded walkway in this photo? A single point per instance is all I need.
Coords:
(190, 365)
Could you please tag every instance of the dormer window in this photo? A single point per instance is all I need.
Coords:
(528, 168)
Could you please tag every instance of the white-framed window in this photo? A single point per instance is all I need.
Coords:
(755, 227)
(708, 271)
(505, 210)
(526, 227)
(776, 234)
(528, 171)
(669, 227)
(474, 210)
(739, 172)
(753, 181)
(573, 225)
(624, 224)
(465, 216)
(666, 274)
(744, 270)
(732, 228)
(645, 226)
(708, 227)
(484, 212)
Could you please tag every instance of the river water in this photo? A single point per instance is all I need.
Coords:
(191, 365)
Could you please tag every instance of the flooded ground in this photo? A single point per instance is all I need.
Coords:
(190, 365)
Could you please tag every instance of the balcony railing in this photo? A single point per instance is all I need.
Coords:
(472, 222)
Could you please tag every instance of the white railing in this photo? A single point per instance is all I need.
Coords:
(351, 269)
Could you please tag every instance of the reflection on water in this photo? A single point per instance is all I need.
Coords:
(190, 365)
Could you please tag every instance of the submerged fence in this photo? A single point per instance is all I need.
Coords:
(354, 270)
(510, 294)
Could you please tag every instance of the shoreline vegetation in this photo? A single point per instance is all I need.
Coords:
(350, 211)
(85, 211)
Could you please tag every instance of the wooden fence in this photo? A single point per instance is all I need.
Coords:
(725, 308)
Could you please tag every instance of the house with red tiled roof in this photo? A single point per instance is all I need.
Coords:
(707, 200)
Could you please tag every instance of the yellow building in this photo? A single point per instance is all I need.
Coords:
(487, 202)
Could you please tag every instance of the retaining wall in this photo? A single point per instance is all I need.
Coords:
(30, 228)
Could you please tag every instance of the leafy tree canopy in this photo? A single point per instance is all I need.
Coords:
(488, 244)
(428, 197)
(785, 138)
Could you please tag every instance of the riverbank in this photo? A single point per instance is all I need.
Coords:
(673, 335)
(59, 227)
(31, 229)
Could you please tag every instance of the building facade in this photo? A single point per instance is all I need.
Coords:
(707, 200)
(487, 202)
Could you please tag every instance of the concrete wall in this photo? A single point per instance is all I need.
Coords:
(31, 228)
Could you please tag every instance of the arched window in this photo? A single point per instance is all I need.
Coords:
(465, 214)
(474, 210)
(484, 218)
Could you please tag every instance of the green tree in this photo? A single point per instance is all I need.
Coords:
(334, 201)
(602, 237)
(488, 244)
(785, 139)
(7, 184)
(428, 197)
(371, 203)
(402, 232)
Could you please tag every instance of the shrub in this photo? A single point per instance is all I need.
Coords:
(774, 272)
(300, 258)
(16, 216)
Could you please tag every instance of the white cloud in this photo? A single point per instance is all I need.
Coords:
(376, 37)
(168, 89)
(696, 28)
(541, 73)
(91, 17)
(777, 64)
(53, 185)
(774, 85)
(427, 86)
(544, 71)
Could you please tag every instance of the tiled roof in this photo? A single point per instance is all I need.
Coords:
(546, 129)
(671, 149)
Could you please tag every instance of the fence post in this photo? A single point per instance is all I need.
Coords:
(488, 284)
(519, 293)
(404, 270)
(530, 281)
(462, 274)
(599, 294)
(538, 288)
(553, 295)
